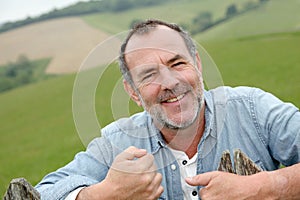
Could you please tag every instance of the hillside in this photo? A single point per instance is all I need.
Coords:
(37, 130)
(180, 12)
(67, 41)
(273, 17)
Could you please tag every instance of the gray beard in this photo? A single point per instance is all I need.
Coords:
(168, 123)
(158, 115)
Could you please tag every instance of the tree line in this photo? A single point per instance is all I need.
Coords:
(83, 8)
(22, 72)
(204, 20)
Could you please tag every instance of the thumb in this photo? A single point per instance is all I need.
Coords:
(201, 179)
(132, 152)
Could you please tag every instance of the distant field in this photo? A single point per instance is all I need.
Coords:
(273, 17)
(37, 131)
(179, 12)
(67, 41)
(271, 62)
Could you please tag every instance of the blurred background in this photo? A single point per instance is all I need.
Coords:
(43, 43)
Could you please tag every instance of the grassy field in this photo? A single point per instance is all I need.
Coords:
(180, 12)
(67, 41)
(270, 62)
(273, 17)
(37, 131)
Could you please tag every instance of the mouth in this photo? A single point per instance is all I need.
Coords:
(174, 99)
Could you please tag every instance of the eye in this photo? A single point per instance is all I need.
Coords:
(147, 77)
(178, 64)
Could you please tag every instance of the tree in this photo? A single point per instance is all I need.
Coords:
(249, 5)
(201, 22)
(231, 10)
(16, 74)
(121, 5)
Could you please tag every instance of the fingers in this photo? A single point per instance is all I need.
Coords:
(134, 160)
(155, 187)
(160, 188)
(146, 163)
(132, 152)
(201, 179)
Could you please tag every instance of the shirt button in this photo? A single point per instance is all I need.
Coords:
(173, 167)
(184, 162)
(194, 193)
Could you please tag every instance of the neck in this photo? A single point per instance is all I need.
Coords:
(186, 140)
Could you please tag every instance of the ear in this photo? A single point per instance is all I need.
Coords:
(132, 93)
(198, 62)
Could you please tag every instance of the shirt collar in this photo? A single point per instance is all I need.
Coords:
(209, 115)
(156, 138)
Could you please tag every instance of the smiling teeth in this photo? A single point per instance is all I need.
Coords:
(175, 99)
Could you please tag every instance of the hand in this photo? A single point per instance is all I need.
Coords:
(222, 185)
(132, 176)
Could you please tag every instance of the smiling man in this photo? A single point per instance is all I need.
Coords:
(172, 149)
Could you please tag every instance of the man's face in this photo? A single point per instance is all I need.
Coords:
(168, 79)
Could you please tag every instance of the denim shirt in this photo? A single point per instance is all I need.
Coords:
(263, 127)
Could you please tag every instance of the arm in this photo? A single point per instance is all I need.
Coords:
(91, 170)
(280, 184)
(128, 178)
(87, 168)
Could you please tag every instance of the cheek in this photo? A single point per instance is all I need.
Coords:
(193, 77)
(149, 92)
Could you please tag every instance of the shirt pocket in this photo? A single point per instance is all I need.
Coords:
(257, 161)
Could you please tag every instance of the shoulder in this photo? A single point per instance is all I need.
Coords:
(128, 124)
(136, 130)
(225, 93)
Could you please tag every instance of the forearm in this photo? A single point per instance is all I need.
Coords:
(98, 191)
(286, 182)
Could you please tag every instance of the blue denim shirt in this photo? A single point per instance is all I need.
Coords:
(259, 124)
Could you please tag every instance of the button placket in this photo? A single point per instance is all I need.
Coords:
(194, 193)
(173, 167)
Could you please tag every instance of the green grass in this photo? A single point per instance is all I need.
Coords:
(273, 17)
(180, 12)
(37, 131)
(270, 62)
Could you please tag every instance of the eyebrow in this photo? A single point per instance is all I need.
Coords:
(176, 57)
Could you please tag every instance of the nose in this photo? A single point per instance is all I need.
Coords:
(168, 79)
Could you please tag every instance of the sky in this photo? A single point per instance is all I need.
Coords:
(12, 10)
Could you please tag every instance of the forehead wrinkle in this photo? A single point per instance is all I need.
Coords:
(160, 37)
(150, 55)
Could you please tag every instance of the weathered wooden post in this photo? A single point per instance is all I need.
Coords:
(242, 164)
(21, 189)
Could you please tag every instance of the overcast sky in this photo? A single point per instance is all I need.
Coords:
(12, 10)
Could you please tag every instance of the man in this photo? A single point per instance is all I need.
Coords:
(171, 150)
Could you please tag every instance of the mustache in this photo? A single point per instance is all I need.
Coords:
(172, 93)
